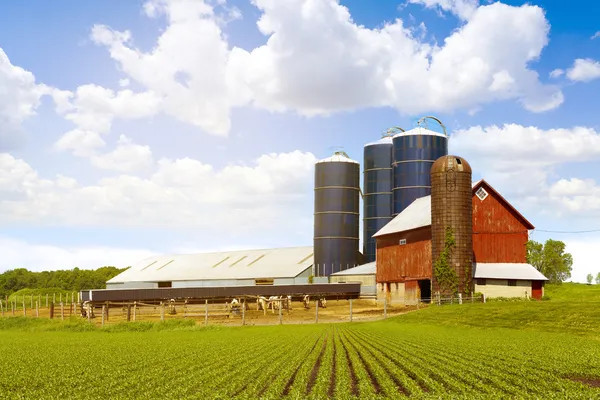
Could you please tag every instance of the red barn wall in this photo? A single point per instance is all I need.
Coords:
(499, 235)
(396, 262)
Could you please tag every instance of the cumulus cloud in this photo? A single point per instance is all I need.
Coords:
(463, 9)
(126, 157)
(584, 70)
(43, 257)
(19, 98)
(595, 35)
(521, 161)
(268, 194)
(317, 61)
(557, 73)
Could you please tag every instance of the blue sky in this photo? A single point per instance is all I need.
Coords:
(198, 128)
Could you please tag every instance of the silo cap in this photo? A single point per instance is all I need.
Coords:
(338, 157)
(384, 140)
(449, 162)
(419, 131)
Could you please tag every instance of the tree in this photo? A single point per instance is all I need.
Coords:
(550, 259)
(598, 279)
(589, 278)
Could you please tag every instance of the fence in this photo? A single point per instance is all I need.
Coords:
(247, 310)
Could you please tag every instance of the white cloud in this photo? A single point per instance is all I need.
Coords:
(521, 161)
(595, 35)
(126, 157)
(463, 9)
(42, 257)
(19, 98)
(584, 70)
(270, 194)
(124, 82)
(557, 73)
(317, 61)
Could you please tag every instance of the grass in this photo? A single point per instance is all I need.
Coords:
(547, 349)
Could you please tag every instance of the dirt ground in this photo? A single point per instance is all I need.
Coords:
(335, 311)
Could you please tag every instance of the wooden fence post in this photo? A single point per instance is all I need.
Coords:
(385, 307)
(317, 312)
(206, 312)
(460, 298)
(280, 315)
(244, 311)
(483, 297)
(54, 298)
(37, 309)
(134, 310)
(128, 312)
(39, 300)
(51, 310)
(162, 311)
(24, 309)
(62, 311)
(103, 311)
(350, 310)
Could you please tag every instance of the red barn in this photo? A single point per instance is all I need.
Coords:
(500, 234)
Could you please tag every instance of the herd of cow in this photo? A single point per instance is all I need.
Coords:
(262, 303)
(275, 302)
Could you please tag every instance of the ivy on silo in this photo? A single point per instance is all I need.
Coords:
(445, 275)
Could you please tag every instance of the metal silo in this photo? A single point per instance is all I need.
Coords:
(452, 219)
(377, 189)
(414, 153)
(337, 214)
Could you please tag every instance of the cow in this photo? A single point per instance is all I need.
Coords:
(322, 302)
(261, 303)
(274, 301)
(306, 301)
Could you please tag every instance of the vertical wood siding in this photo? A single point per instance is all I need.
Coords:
(396, 262)
(499, 236)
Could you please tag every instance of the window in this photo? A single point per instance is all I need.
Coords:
(264, 281)
(482, 194)
(481, 282)
(512, 282)
(164, 284)
(402, 241)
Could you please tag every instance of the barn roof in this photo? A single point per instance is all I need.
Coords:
(246, 264)
(365, 269)
(416, 215)
(517, 271)
(509, 206)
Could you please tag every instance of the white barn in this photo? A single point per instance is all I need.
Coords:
(283, 266)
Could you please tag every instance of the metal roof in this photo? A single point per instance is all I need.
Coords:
(338, 158)
(245, 264)
(526, 272)
(365, 269)
(416, 215)
(384, 140)
(419, 131)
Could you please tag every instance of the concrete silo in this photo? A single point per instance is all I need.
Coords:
(377, 189)
(451, 225)
(414, 153)
(337, 214)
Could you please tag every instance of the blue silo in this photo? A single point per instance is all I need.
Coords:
(415, 151)
(377, 190)
(337, 214)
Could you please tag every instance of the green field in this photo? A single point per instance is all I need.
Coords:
(545, 349)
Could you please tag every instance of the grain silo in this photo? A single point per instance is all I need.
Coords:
(414, 153)
(377, 189)
(451, 220)
(337, 214)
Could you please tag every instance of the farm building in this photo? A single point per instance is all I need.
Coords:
(283, 266)
(363, 274)
(490, 235)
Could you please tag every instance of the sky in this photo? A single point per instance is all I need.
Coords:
(129, 129)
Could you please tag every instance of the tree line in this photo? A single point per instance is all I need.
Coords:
(69, 280)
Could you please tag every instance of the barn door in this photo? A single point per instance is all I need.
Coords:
(536, 289)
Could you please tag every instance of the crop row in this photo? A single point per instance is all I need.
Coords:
(376, 360)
